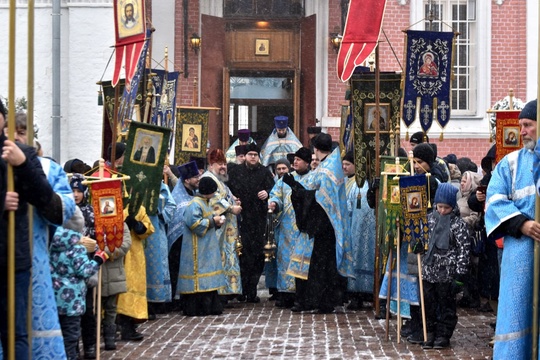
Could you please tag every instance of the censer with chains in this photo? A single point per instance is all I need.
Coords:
(270, 247)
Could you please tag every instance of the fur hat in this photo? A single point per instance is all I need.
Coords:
(529, 111)
(281, 122)
(303, 153)
(314, 130)
(188, 170)
(240, 150)
(120, 149)
(418, 138)
(207, 186)
(244, 134)
(424, 152)
(349, 156)
(446, 194)
(322, 142)
(253, 147)
(216, 156)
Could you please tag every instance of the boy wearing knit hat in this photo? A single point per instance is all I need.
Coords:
(446, 259)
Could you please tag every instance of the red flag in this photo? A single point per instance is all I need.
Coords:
(362, 28)
(130, 27)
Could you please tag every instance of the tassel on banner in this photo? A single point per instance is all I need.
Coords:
(428, 190)
(407, 135)
(441, 137)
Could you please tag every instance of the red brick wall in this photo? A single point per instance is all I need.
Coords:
(509, 50)
(475, 149)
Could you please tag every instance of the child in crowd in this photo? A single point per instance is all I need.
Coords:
(201, 271)
(70, 268)
(446, 259)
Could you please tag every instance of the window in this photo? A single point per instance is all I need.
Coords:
(263, 8)
(460, 15)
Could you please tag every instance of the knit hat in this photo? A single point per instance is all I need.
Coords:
(314, 130)
(450, 158)
(529, 111)
(283, 161)
(120, 149)
(446, 194)
(76, 182)
(188, 170)
(424, 152)
(418, 138)
(240, 150)
(253, 147)
(207, 186)
(303, 153)
(244, 134)
(281, 122)
(323, 142)
(349, 156)
(216, 156)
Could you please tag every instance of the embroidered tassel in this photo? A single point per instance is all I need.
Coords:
(441, 137)
(407, 135)
(428, 190)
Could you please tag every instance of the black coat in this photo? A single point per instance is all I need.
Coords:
(33, 188)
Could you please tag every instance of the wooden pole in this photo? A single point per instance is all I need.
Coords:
(376, 273)
(536, 264)
(389, 290)
(398, 261)
(11, 187)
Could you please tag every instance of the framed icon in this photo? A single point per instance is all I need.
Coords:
(262, 47)
(191, 137)
(414, 202)
(371, 121)
(511, 137)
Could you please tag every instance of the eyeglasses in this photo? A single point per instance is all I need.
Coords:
(252, 154)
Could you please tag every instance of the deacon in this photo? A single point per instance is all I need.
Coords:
(244, 138)
(362, 232)
(251, 183)
(183, 193)
(287, 235)
(280, 142)
(240, 152)
(321, 212)
(224, 203)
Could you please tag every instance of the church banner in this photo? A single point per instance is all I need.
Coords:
(145, 154)
(164, 101)
(365, 122)
(108, 213)
(428, 78)
(130, 31)
(191, 133)
(414, 204)
(507, 137)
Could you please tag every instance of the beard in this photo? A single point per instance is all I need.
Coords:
(529, 143)
(222, 177)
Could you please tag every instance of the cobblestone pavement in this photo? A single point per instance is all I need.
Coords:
(250, 331)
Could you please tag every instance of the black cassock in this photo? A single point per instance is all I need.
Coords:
(245, 183)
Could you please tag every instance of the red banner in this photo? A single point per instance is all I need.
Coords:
(109, 213)
(508, 138)
(130, 27)
(362, 28)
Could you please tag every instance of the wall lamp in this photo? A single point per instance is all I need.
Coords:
(195, 41)
(335, 39)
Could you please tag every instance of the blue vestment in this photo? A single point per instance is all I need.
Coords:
(362, 230)
(275, 148)
(511, 192)
(47, 340)
(176, 225)
(201, 269)
(158, 281)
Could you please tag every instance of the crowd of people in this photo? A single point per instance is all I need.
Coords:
(213, 221)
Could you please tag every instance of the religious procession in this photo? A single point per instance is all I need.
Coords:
(205, 202)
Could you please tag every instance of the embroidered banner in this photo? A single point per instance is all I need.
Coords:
(130, 31)
(191, 133)
(108, 213)
(428, 78)
(365, 122)
(164, 102)
(145, 154)
(507, 135)
(362, 28)
(346, 130)
(414, 204)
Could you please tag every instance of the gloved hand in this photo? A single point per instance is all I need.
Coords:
(418, 248)
(289, 179)
(100, 257)
(130, 222)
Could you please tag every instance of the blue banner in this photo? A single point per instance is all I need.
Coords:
(428, 78)
(164, 103)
